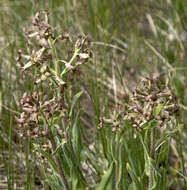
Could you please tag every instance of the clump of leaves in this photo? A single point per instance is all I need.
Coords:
(142, 127)
(152, 106)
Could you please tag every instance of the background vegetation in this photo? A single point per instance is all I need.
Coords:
(130, 40)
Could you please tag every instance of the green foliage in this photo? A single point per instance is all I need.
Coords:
(75, 110)
(106, 179)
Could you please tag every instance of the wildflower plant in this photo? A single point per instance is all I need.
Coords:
(143, 124)
(153, 109)
(46, 118)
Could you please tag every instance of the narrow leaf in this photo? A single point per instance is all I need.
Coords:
(76, 136)
(105, 178)
(75, 99)
(133, 176)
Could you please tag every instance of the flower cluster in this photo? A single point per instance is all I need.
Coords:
(152, 100)
(50, 75)
(43, 45)
(36, 112)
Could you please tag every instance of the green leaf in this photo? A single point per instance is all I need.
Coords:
(154, 183)
(75, 166)
(132, 186)
(76, 138)
(149, 162)
(62, 61)
(147, 166)
(53, 71)
(133, 176)
(59, 147)
(65, 70)
(57, 118)
(158, 109)
(179, 87)
(163, 153)
(150, 124)
(54, 181)
(112, 147)
(103, 142)
(75, 99)
(106, 177)
(94, 162)
(51, 43)
(74, 181)
(130, 156)
(146, 154)
(153, 164)
(110, 184)
(162, 139)
(120, 164)
(48, 157)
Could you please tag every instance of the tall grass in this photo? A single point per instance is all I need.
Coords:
(98, 148)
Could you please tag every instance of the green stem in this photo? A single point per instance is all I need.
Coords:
(117, 161)
(152, 151)
(181, 158)
(74, 56)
